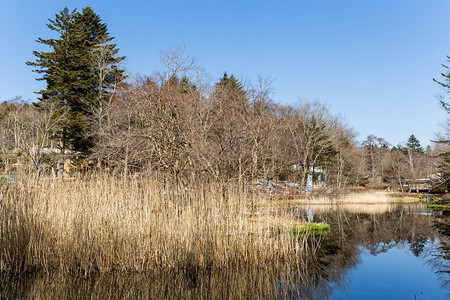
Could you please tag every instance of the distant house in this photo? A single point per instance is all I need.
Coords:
(314, 179)
(422, 185)
(62, 166)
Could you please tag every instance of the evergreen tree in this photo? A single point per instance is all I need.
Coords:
(77, 76)
(186, 86)
(445, 83)
(443, 183)
(414, 144)
(231, 93)
(230, 84)
(183, 86)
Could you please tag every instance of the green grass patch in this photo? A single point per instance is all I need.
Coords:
(426, 199)
(441, 201)
(313, 228)
(438, 207)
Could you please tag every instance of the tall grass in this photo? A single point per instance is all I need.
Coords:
(104, 224)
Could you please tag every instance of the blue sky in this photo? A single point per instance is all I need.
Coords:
(371, 61)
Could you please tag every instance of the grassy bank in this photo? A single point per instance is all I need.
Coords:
(369, 197)
(104, 224)
(438, 207)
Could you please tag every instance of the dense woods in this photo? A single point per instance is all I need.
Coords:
(176, 122)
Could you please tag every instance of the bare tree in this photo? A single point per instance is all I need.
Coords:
(376, 151)
(150, 126)
(343, 164)
(177, 61)
(28, 130)
(310, 128)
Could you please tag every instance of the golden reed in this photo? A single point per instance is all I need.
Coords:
(103, 224)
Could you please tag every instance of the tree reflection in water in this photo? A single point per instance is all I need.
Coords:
(409, 225)
(330, 259)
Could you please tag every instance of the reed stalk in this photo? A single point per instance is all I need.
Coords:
(104, 224)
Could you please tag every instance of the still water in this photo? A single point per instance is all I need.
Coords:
(396, 274)
(396, 251)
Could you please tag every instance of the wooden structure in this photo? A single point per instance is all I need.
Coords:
(422, 185)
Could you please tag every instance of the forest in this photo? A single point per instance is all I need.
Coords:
(178, 122)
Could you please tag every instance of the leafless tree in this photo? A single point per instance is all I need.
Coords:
(177, 61)
(376, 151)
(310, 129)
(28, 130)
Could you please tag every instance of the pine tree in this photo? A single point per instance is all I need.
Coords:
(445, 83)
(414, 144)
(103, 55)
(78, 77)
(230, 84)
(231, 93)
(443, 182)
(229, 110)
(186, 86)
(183, 86)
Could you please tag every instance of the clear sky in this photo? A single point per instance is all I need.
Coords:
(371, 61)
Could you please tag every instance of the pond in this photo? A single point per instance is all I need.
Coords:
(393, 251)
(380, 251)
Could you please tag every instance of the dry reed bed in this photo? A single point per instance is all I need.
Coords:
(105, 224)
(352, 208)
(370, 197)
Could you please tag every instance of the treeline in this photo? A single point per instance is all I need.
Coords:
(177, 123)
(388, 165)
(170, 127)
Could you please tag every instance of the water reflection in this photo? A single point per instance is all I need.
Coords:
(355, 231)
(406, 227)
(276, 282)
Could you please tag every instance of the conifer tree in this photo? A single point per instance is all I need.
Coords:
(186, 86)
(231, 93)
(230, 84)
(443, 183)
(77, 74)
(445, 83)
(414, 144)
